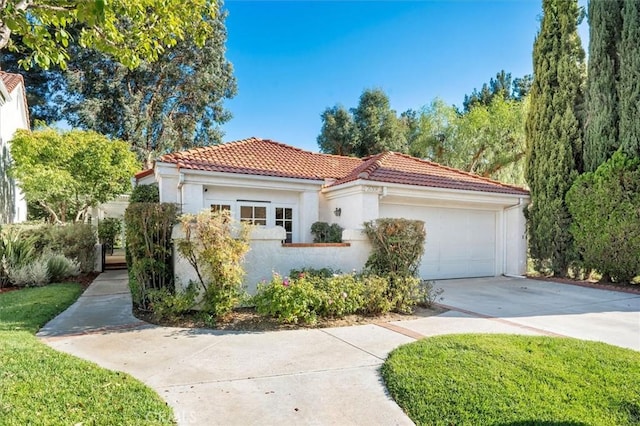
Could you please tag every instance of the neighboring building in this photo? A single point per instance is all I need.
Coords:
(475, 226)
(14, 115)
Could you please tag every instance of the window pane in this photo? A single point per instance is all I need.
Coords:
(246, 213)
(262, 222)
(279, 214)
(261, 213)
(288, 214)
(288, 226)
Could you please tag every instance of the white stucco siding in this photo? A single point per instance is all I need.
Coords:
(13, 116)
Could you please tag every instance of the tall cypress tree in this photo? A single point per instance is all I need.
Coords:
(601, 132)
(554, 133)
(629, 87)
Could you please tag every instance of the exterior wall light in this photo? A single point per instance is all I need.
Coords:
(337, 211)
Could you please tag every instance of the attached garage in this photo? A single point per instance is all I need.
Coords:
(461, 243)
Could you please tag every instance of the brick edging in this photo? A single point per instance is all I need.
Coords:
(590, 285)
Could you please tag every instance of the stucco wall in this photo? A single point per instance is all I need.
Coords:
(12, 118)
(268, 255)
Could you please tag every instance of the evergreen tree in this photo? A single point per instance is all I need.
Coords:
(554, 134)
(629, 87)
(601, 132)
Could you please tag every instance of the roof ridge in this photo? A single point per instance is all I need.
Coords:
(461, 172)
(375, 163)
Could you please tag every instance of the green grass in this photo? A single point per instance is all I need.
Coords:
(41, 386)
(514, 380)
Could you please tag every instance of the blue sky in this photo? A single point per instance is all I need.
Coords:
(292, 59)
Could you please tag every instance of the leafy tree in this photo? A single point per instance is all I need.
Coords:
(44, 88)
(67, 173)
(502, 86)
(338, 134)
(629, 87)
(601, 127)
(371, 128)
(172, 104)
(378, 126)
(487, 140)
(554, 134)
(130, 31)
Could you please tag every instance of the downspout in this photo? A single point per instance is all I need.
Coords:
(180, 183)
(504, 231)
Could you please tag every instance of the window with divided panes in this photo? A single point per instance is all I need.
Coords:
(284, 218)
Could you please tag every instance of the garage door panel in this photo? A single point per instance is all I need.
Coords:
(460, 242)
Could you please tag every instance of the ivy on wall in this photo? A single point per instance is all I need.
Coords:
(7, 188)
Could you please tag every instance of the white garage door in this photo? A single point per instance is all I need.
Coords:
(461, 243)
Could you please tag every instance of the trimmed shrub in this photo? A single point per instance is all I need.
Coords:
(325, 233)
(404, 293)
(215, 247)
(145, 194)
(288, 300)
(32, 274)
(108, 231)
(338, 295)
(397, 246)
(148, 228)
(605, 206)
(374, 295)
(167, 305)
(76, 241)
(313, 272)
(60, 267)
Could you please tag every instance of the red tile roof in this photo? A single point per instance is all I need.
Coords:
(255, 156)
(392, 167)
(11, 81)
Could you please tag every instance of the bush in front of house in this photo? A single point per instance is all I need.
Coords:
(325, 233)
(605, 206)
(305, 298)
(215, 246)
(145, 194)
(148, 228)
(76, 241)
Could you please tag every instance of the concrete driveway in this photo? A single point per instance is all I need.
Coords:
(568, 310)
(316, 376)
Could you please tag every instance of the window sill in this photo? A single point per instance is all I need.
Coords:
(300, 245)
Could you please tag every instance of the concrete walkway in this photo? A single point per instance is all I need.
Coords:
(308, 376)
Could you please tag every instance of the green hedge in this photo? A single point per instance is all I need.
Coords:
(148, 228)
(605, 206)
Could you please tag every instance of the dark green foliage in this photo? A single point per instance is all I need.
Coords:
(397, 246)
(145, 194)
(605, 206)
(370, 128)
(629, 88)
(601, 131)
(325, 233)
(554, 134)
(377, 124)
(172, 104)
(338, 134)
(503, 86)
(148, 228)
(313, 272)
(76, 241)
(108, 230)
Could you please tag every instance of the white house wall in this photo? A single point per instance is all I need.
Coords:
(13, 117)
(268, 256)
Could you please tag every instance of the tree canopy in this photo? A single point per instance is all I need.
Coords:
(67, 173)
(370, 128)
(173, 103)
(130, 31)
(554, 134)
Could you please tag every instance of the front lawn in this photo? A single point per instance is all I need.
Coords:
(39, 385)
(507, 379)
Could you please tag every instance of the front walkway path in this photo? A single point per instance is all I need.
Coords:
(308, 376)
